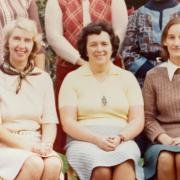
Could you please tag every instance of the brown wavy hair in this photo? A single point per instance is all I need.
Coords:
(96, 28)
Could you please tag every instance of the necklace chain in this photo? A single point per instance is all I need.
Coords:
(100, 78)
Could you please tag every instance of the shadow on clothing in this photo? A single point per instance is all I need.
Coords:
(143, 143)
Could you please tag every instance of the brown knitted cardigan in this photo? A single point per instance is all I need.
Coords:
(162, 103)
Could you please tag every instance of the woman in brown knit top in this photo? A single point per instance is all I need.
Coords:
(162, 109)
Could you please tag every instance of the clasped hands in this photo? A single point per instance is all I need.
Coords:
(168, 140)
(109, 143)
(41, 148)
(175, 141)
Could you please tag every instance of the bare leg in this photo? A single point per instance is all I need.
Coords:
(166, 166)
(52, 168)
(177, 157)
(123, 170)
(104, 173)
(32, 169)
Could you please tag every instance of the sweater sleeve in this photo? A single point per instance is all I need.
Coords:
(134, 95)
(49, 110)
(54, 33)
(119, 9)
(67, 94)
(152, 127)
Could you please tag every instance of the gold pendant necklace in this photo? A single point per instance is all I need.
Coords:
(104, 101)
(100, 78)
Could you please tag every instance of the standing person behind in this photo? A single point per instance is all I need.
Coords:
(64, 20)
(142, 41)
(9, 11)
(162, 109)
(101, 125)
(27, 109)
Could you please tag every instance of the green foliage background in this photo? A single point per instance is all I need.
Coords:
(50, 55)
(41, 7)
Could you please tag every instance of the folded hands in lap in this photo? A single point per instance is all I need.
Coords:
(109, 143)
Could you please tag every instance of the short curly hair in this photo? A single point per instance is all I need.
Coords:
(96, 28)
(24, 24)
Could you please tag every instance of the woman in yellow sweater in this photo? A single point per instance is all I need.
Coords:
(101, 112)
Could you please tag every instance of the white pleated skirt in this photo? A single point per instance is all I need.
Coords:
(84, 156)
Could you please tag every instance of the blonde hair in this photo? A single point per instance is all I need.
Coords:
(24, 24)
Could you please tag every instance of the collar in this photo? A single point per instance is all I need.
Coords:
(171, 68)
(86, 70)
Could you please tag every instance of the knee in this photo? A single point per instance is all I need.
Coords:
(102, 173)
(129, 164)
(165, 161)
(177, 158)
(53, 164)
(34, 165)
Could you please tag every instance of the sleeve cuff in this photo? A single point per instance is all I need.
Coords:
(153, 138)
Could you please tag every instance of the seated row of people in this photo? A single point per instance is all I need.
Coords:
(102, 124)
(141, 36)
(101, 108)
